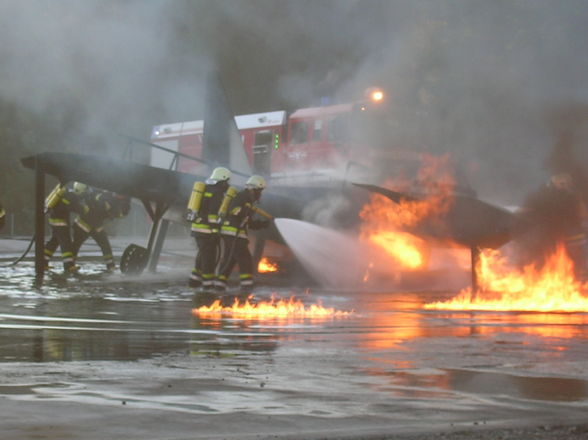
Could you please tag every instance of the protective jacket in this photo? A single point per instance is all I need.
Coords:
(239, 215)
(207, 217)
(205, 228)
(69, 202)
(236, 242)
(59, 221)
(101, 207)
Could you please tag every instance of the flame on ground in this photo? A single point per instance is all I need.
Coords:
(274, 308)
(265, 266)
(552, 288)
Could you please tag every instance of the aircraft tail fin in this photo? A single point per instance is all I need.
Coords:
(221, 139)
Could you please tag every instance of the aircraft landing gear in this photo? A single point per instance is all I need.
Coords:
(134, 260)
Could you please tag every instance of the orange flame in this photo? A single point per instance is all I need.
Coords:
(402, 247)
(553, 287)
(384, 219)
(274, 308)
(265, 266)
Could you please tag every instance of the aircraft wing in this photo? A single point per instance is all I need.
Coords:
(143, 182)
(473, 222)
(392, 195)
(469, 221)
(151, 184)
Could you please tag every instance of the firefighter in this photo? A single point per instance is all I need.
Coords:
(234, 232)
(2, 216)
(60, 203)
(103, 206)
(556, 214)
(205, 211)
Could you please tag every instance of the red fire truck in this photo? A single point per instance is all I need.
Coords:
(310, 139)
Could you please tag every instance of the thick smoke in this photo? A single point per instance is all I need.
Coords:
(96, 69)
(478, 79)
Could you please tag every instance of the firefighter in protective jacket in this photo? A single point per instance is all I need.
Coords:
(103, 206)
(234, 233)
(60, 203)
(205, 207)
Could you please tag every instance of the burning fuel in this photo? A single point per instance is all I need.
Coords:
(265, 266)
(271, 309)
(404, 248)
(551, 288)
(384, 221)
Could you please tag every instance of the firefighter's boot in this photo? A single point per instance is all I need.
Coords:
(195, 279)
(246, 283)
(220, 284)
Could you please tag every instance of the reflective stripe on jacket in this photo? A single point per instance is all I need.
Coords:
(207, 217)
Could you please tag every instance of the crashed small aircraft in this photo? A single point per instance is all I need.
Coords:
(164, 193)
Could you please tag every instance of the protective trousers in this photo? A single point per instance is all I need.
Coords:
(206, 260)
(237, 252)
(60, 237)
(101, 239)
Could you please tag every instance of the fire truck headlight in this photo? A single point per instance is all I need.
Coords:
(374, 94)
(377, 96)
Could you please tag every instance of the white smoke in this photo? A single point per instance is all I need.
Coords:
(475, 78)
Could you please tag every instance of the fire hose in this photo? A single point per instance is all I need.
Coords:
(24, 254)
(26, 251)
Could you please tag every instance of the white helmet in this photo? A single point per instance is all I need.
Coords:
(219, 174)
(79, 188)
(256, 182)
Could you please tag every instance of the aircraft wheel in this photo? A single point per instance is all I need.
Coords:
(134, 260)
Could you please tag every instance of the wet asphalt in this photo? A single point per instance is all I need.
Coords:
(118, 354)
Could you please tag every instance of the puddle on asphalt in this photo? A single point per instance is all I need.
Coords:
(102, 317)
(111, 317)
(439, 383)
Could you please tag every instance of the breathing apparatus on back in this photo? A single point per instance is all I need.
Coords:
(224, 207)
(195, 200)
(54, 196)
(218, 175)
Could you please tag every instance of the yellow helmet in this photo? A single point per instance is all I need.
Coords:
(79, 188)
(219, 174)
(256, 182)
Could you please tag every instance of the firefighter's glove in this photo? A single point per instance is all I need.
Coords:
(259, 224)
